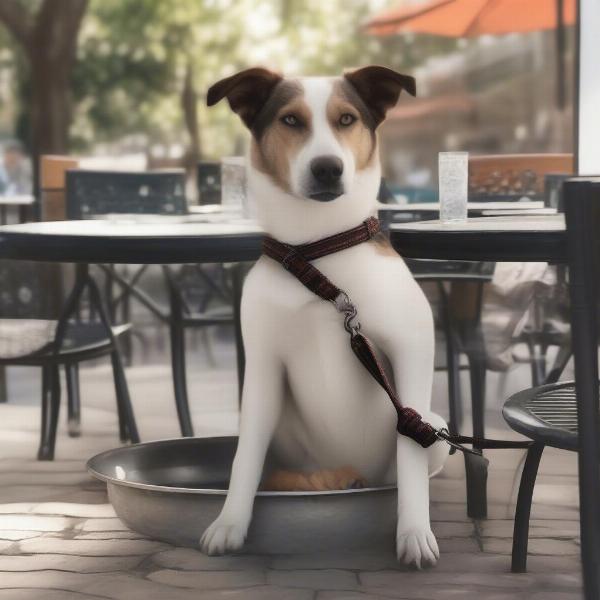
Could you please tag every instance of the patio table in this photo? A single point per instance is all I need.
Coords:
(512, 238)
(126, 241)
(471, 206)
(424, 211)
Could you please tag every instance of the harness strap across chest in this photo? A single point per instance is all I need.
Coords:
(296, 260)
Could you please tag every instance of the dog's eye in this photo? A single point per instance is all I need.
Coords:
(291, 120)
(347, 119)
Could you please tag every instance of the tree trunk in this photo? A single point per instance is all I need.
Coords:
(49, 40)
(50, 108)
(189, 104)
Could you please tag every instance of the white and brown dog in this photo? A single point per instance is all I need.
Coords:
(314, 171)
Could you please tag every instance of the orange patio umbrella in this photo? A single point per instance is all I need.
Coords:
(471, 18)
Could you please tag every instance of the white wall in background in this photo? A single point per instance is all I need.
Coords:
(589, 88)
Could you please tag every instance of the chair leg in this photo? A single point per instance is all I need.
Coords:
(50, 410)
(476, 469)
(562, 358)
(3, 386)
(127, 344)
(179, 376)
(523, 510)
(109, 293)
(127, 425)
(454, 390)
(73, 400)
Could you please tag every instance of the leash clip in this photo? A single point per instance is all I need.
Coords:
(444, 435)
(344, 305)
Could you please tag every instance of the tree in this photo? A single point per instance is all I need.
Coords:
(135, 74)
(46, 32)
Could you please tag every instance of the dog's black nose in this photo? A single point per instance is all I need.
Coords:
(327, 169)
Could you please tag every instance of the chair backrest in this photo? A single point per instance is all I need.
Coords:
(506, 177)
(29, 290)
(52, 185)
(385, 194)
(93, 193)
(209, 182)
(582, 212)
(553, 190)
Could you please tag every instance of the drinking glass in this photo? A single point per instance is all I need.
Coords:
(233, 182)
(453, 168)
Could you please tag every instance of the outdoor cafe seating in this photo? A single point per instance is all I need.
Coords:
(144, 451)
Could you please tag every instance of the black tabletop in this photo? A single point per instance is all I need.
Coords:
(166, 240)
(155, 241)
(519, 238)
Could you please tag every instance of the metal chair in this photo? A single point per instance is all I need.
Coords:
(93, 193)
(549, 307)
(565, 415)
(208, 175)
(29, 297)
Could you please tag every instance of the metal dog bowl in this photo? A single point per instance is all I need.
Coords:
(172, 490)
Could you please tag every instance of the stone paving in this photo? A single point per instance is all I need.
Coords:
(60, 539)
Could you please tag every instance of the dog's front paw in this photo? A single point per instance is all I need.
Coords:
(417, 547)
(223, 536)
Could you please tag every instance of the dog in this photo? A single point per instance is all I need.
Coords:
(314, 171)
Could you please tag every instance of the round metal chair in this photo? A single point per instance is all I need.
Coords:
(548, 416)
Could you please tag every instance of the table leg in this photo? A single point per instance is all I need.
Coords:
(477, 470)
(237, 284)
(3, 214)
(452, 366)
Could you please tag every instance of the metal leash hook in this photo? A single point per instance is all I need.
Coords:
(344, 305)
(444, 435)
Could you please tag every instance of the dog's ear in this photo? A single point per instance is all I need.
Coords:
(379, 88)
(246, 92)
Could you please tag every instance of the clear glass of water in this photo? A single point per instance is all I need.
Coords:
(233, 182)
(453, 168)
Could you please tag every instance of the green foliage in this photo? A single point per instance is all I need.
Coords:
(133, 56)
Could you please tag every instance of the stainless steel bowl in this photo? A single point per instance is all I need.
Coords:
(172, 490)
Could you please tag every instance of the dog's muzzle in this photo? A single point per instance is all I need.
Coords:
(326, 174)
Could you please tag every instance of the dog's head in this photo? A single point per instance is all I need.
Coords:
(313, 137)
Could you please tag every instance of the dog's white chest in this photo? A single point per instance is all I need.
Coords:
(335, 412)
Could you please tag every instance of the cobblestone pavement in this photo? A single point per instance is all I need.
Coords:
(60, 539)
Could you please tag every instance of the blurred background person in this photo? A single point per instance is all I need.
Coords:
(15, 171)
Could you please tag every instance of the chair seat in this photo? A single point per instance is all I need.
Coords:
(80, 339)
(546, 414)
(22, 337)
